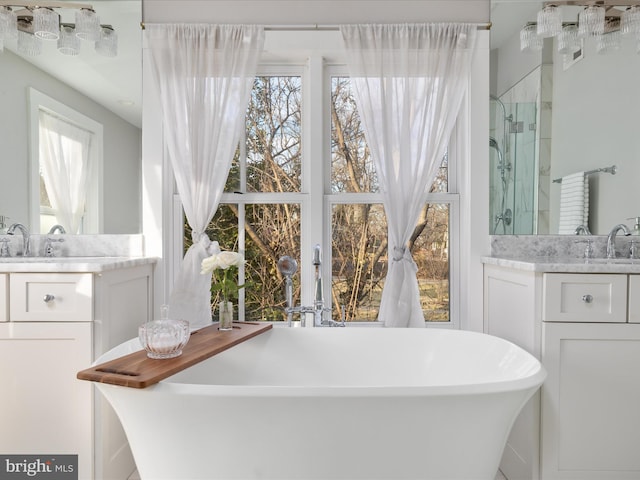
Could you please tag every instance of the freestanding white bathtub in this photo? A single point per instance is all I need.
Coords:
(332, 403)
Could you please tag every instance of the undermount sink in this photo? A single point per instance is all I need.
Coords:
(613, 261)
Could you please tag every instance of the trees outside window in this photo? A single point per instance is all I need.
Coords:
(266, 207)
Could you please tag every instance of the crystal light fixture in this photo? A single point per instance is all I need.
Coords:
(529, 39)
(46, 23)
(29, 44)
(602, 20)
(8, 23)
(41, 21)
(630, 20)
(549, 21)
(608, 42)
(568, 39)
(87, 25)
(107, 45)
(591, 21)
(68, 43)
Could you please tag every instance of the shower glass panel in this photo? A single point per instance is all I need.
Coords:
(513, 168)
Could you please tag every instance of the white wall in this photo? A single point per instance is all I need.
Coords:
(122, 146)
(595, 124)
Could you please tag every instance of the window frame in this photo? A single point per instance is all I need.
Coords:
(316, 201)
(92, 220)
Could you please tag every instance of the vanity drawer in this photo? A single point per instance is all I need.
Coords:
(51, 297)
(4, 298)
(584, 298)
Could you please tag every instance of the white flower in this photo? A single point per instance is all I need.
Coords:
(222, 260)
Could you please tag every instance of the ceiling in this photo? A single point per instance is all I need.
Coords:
(115, 83)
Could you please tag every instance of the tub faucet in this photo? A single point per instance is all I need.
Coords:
(318, 296)
(26, 243)
(287, 267)
(611, 239)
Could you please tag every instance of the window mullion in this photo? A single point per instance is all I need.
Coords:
(313, 167)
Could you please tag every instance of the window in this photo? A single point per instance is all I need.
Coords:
(303, 175)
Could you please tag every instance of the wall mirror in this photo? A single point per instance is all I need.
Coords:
(555, 116)
(104, 90)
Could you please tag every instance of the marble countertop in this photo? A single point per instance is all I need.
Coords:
(95, 264)
(566, 264)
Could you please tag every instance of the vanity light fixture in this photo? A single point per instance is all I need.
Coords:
(606, 20)
(29, 23)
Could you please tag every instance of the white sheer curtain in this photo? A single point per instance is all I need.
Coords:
(64, 159)
(204, 75)
(408, 83)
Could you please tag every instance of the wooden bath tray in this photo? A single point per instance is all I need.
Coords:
(136, 370)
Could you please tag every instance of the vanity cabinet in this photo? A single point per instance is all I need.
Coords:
(584, 423)
(54, 325)
(591, 401)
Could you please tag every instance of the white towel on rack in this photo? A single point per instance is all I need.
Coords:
(574, 202)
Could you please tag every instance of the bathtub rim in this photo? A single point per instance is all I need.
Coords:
(532, 381)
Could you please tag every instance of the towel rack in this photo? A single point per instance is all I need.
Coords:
(612, 170)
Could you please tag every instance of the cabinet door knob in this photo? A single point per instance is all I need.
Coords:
(587, 298)
(48, 298)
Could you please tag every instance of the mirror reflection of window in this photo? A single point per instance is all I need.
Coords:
(66, 167)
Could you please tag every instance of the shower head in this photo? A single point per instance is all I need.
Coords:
(287, 266)
(494, 144)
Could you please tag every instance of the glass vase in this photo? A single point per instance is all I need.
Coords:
(225, 310)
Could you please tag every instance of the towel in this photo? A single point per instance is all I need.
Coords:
(574, 202)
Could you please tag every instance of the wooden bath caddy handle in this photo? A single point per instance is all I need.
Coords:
(136, 370)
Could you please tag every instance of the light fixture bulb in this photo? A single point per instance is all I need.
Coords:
(8, 22)
(107, 45)
(68, 43)
(608, 42)
(591, 21)
(46, 23)
(549, 21)
(29, 44)
(630, 20)
(568, 40)
(87, 25)
(529, 39)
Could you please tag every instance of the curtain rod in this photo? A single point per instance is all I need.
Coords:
(329, 27)
(316, 26)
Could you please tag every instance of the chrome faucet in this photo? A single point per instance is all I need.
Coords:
(287, 267)
(611, 239)
(318, 294)
(318, 297)
(582, 229)
(26, 242)
(57, 228)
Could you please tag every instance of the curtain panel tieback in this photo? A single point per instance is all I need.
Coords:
(403, 253)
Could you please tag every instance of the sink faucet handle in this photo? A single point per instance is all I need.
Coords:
(588, 249)
(4, 249)
(48, 247)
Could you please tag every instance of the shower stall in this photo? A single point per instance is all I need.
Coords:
(513, 167)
